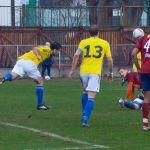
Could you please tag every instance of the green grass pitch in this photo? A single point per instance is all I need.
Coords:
(59, 128)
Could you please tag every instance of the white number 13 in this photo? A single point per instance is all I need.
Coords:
(147, 45)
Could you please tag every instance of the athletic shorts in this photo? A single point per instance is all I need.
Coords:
(28, 67)
(145, 80)
(90, 82)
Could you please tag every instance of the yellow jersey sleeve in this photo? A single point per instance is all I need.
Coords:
(107, 50)
(44, 52)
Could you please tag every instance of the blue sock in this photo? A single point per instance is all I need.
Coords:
(129, 104)
(84, 101)
(39, 94)
(88, 109)
(8, 76)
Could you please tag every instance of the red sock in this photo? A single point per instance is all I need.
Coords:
(145, 111)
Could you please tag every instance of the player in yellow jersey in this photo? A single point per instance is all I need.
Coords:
(139, 61)
(93, 50)
(28, 64)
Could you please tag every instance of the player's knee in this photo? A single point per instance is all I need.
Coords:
(8, 76)
(39, 81)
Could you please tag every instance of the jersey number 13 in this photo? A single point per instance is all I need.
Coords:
(97, 53)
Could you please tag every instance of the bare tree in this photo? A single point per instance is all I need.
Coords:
(132, 12)
(102, 14)
(147, 9)
(55, 2)
(92, 10)
(105, 13)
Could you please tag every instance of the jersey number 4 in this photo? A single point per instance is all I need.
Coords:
(97, 53)
(147, 45)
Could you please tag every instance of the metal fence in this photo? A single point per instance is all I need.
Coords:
(107, 16)
(9, 53)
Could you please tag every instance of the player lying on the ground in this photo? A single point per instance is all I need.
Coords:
(136, 104)
(133, 81)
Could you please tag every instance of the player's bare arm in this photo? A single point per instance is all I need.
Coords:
(110, 68)
(74, 64)
(36, 52)
(130, 91)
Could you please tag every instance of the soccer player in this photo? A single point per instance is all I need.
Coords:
(136, 104)
(139, 61)
(143, 46)
(28, 63)
(137, 34)
(133, 82)
(92, 50)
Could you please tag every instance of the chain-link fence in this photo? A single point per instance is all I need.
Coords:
(62, 62)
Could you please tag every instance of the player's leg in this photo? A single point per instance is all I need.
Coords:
(89, 107)
(129, 104)
(16, 71)
(92, 88)
(145, 79)
(145, 109)
(40, 93)
(84, 97)
(43, 70)
(48, 70)
(33, 72)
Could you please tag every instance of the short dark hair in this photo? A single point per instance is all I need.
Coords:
(55, 45)
(121, 68)
(93, 30)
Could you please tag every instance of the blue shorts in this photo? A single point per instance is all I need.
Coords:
(145, 80)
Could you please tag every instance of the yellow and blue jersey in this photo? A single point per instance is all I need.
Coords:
(44, 52)
(93, 51)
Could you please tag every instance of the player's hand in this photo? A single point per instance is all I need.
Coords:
(38, 57)
(110, 76)
(70, 74)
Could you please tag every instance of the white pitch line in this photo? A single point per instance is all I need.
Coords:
(53, 135)
(75, 148)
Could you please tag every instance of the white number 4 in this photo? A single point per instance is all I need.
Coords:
(147, 45)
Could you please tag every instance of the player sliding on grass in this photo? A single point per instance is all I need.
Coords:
(136, 104)
(133, 81)
(28, 63)
(93, 50)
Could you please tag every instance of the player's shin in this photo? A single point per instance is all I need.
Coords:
(40, 94)
(84, 101)
(88, 110)
(7, 77)
(129, 104)
(145, 111)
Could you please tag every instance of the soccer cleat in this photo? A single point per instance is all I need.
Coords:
(85, 125)
(146, 128)
(121, 103)
(2, 80)
(42, 107)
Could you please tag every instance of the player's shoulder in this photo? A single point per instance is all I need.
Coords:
(44, 47)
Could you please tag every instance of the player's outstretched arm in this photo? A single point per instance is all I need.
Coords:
(130, 92)
(110, 68)
(74, 64)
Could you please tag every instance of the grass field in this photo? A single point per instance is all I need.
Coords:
(22, 127)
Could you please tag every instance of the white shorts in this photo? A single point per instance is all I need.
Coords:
(90, 82)
(28, 67)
